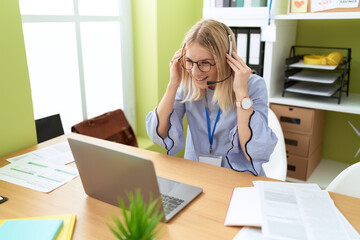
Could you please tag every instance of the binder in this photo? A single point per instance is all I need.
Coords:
(250, 48)
(31, 229)
(218, 3)
(240, 3)
(226, 3)
(233, 3)
(67, 229)
(256, 51)
(242, 43)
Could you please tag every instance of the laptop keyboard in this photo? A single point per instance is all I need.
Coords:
(170, 203)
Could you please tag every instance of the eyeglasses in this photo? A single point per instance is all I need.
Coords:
(204, 66)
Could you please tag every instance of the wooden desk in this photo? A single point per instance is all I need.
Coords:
(202, 219)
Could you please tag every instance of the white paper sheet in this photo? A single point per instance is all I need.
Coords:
(59, 154)
(319, 215)
(244, 208)
(309, 76)
(37, 174)
(347, 3)
(320, 5)
(316, 89)
(296, 211)
(249, 233)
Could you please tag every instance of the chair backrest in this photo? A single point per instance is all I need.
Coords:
(347, 182)
(48, 127)
(277, 165)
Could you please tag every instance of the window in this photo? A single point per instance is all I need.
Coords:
(79, 55)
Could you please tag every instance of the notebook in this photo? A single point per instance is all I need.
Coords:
(66, 231)
(108, 173)
(34, 229)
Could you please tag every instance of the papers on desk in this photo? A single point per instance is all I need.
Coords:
(42, 170)
(37, 175)
(59, 154)
(244, 208)
(288, 211)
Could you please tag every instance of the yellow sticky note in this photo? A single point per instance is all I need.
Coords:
(299, 6)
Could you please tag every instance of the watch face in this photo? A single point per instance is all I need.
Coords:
(246, 103)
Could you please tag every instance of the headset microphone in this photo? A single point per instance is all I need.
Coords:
(230, 51)
(213, 82)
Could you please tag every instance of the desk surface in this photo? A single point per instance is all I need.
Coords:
(201, 219)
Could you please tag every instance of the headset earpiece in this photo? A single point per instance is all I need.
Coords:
(230, 51)
(230, 41)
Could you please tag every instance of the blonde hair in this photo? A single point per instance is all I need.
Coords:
(213, 36)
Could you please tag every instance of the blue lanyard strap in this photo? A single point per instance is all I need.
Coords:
(211, 134)
(270, 12)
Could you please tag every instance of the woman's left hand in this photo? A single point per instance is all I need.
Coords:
(241, 74)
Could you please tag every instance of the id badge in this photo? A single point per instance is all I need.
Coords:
(211, 159)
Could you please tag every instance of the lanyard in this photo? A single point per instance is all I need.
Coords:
(211, 134)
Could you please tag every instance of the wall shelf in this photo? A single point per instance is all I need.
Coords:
(255, 16)
(324, 15)
(349, 104)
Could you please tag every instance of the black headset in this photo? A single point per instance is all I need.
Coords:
(230, 51)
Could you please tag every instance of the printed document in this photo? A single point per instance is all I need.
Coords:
(59, 154)
(39, 175)
(298, 211)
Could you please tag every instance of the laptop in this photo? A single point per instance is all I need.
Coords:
(109, 173)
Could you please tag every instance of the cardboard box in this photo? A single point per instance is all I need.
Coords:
(302, 145)
(307, 3)
(302, 167)
(306, 121)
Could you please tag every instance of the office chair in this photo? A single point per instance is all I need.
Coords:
(48, 127)
(347, 182)
(277, 166)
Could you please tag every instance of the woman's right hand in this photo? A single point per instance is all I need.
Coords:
(175, 69)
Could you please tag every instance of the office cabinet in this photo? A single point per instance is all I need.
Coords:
(303, 130)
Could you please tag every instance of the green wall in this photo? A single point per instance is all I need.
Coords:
(341, 143)
(159, 28)
(17, 126)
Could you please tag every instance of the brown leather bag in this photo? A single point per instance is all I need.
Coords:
(112, 126)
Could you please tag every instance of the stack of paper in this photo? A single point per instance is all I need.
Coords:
(42, 170)
(313, 89)
(287, 211)
(309, 76)
(58, 227)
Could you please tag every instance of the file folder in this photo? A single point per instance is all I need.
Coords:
(34, 229)
(66, 231)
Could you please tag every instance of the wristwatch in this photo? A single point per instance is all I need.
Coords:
(246, 103)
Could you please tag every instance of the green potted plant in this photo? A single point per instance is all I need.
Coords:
(139, 221)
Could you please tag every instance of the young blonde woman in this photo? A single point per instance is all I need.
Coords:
(226, 106)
